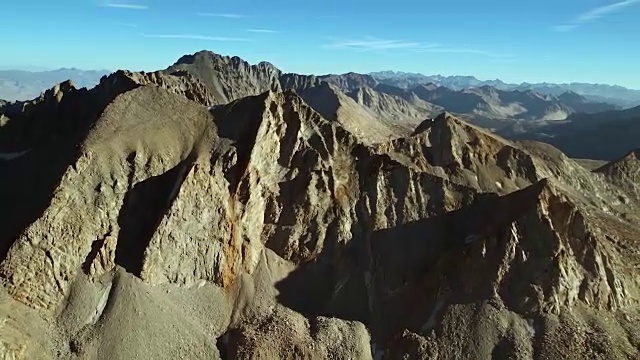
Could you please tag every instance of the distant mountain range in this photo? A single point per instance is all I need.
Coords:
(494, 108)
(26, 85)
(388, 101)
(595, 92)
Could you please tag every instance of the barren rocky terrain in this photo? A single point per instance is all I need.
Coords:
(207, 213)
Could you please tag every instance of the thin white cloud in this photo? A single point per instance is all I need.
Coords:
(563, 28)
(227, 16)
(195, 37)
(595, 14)
(375, 44)
(372, 44)
(126, 6)
(454, 50)
(263, 31)
(130, 25)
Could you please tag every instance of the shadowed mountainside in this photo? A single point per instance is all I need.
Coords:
(603, 136)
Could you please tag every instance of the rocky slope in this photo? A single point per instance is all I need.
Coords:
(268, 228)
(372, 116)
(624, 172)
(395, 109)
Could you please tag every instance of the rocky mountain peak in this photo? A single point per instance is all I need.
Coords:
(572, 96)
(229, 78)
(426, 87)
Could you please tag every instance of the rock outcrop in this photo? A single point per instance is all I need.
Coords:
(268, 228)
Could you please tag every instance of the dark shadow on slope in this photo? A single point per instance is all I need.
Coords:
(505, 349)
(26, 189)
(143, 208)
(222, 343)
(336, 285)
(396, 287)
(52, 129)
(50, 136)
(96, 246)
(240, 122)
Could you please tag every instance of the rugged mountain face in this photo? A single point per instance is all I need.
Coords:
(369, 126)
(229, 78)
(28, 123)
(602, 136)
(265, 228)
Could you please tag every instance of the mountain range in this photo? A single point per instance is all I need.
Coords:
(486, 100)
(221, 210)
(485, 106)
(613, 94)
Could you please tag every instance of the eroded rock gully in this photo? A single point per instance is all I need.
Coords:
(262, 227)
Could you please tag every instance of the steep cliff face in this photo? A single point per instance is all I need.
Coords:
(286, 183)
(265, 228)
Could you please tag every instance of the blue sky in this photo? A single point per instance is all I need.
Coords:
(514, 40)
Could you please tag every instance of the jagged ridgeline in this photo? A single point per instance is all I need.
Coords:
(301, 217)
